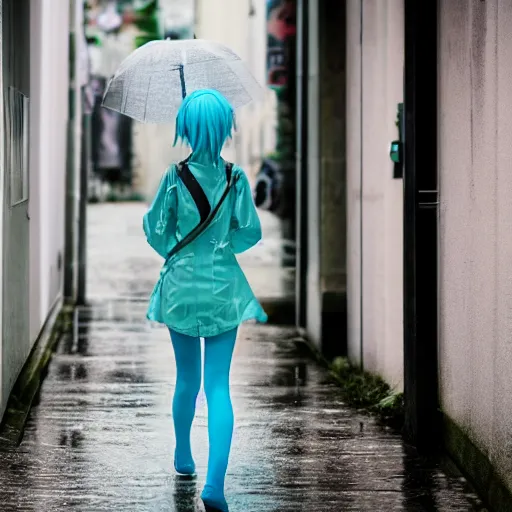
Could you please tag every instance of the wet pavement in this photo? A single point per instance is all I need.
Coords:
(100, 438)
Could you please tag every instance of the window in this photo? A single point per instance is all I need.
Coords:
(17, 148)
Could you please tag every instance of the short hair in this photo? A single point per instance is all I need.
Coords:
(204, 121)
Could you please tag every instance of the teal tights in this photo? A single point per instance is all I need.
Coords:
(217, 362)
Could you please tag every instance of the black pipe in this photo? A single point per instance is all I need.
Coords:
(302, 161)
(70, 206)
(85, 167)
(420, 226)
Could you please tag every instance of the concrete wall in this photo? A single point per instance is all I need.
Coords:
(3, 167)
(374, 263)
(152, 147)
(15, 226)
(312, 187)
(152, 144)
(49, 73)
(475, 153)
(228, 22)
(35, 60)
(326, 178)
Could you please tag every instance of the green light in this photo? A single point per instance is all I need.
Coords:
(394, 152)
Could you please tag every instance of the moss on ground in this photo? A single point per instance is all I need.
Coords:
(364, 390)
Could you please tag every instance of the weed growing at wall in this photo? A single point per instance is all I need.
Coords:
(367, 391)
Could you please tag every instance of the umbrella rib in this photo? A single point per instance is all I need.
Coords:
(230, 77)
(120, 73)
(147, 96)
(125, 93)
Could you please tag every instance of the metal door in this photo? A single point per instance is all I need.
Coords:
(420, 226)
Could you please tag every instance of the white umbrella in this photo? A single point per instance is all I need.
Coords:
(151, 83)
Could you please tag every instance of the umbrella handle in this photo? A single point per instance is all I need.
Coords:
(182, 79)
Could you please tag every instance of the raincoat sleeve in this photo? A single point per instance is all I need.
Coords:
(245, 223)
(159, 221)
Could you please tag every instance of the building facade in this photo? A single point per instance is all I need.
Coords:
(375, 60)
(417, 253)
(321, 175)
(474, 131)
(35, 73)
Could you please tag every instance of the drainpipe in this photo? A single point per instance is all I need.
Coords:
(69, 239)
(302, 162)
(72, 162)
(422, 419)
(85, 167)
(87, 103)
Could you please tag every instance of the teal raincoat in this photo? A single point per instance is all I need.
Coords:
(202, 291)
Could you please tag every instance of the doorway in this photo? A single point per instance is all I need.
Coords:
(421, 210)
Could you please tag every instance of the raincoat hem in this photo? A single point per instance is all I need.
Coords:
(253, 311)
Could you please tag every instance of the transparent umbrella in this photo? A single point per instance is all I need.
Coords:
(151, 83)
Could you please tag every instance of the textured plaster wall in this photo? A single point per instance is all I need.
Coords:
(49, 100)
(35, 61)
(326, 180)
(374, 264)
(475, 156)
(229, 22)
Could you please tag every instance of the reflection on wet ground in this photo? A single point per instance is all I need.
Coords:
(100, 438)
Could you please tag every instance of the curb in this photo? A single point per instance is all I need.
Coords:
(28, 383)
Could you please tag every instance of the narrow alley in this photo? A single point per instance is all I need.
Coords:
(100, 437)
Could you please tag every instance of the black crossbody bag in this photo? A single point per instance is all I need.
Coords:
(205, 211)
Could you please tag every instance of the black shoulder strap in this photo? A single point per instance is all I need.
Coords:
(203, 225)
(229, 172)
(197, 193)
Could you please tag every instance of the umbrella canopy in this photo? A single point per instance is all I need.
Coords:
(151, 83)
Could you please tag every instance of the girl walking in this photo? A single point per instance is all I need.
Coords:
(202, 215)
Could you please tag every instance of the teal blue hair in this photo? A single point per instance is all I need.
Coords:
(204, 121)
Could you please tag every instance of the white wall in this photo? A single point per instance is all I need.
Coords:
(153, 143)
(376, 335)
(228, 22)
(49, 110)
(325, 184)
(475, 281)
(152, 147)
(313, 284)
